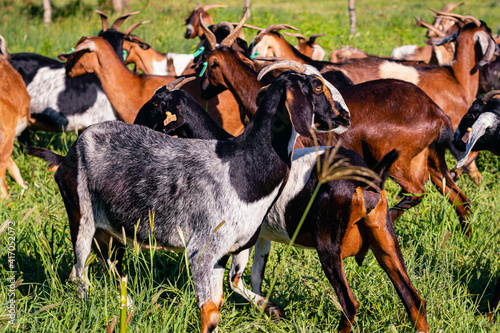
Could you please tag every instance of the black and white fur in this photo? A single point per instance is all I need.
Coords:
(115, 174)
(58, 102)
(484, 121)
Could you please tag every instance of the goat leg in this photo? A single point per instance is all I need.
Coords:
(388, 253)
(495, 300)
(14, 173)
(438, 171)
(238, 264)
(331, 261)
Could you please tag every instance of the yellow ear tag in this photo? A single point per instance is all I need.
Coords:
(170, 118)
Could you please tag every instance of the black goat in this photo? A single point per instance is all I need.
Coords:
(215, 192)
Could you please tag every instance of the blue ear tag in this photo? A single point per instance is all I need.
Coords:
(254, 55)
(199, 51)
(124, 55)
(72, 49)
(205, 64)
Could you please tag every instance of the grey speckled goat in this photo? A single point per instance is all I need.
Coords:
(116, 174)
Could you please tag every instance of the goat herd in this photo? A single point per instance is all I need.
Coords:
(226, 175)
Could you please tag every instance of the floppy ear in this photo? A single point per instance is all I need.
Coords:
(86, 46)
(261, 94)
(301, 110)
(173, 120)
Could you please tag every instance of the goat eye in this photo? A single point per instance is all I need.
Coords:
(318, 89)
(155, 105)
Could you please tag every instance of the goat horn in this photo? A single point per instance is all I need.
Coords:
(287, 64)
(3, 48)
(449, 7)
(134, 26)
(104, 20)
(422, 23)
(247, 8)
(299, 36)
(469, 18)
(489, 95)
(212, 41)
(119, 21)
(313, 37)
(459, 22)
(229, 40)
(224, 24)
(177, 83)
(276, 28)
(208, 7)
(458, 16)
(249, 26)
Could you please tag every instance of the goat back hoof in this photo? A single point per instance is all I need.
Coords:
(274, 310)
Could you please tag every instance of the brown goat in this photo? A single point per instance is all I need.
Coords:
(309, 47)
(413, 124)
(193, 28)
(150, 61)
(453, 87)
(128, 91)
(14, 115)
(345, 53)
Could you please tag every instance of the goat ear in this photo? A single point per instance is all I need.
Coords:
(300, 109)
(86, 46)
(260, 94)
(173, 121)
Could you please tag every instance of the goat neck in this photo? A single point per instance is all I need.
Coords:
(227, 70)
(145, 58)
(273, 44)
(126, 91)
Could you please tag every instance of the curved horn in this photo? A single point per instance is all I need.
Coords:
(459, 22)
(226, 24)
(249, 26)
(449, 7)
(288, 64)
(104, 19)
(247, 8)
(177, 83)
(3, 49)
(212, 41)
(277, 27)
(469, 18)
(134, 26)
(422, 23)
(229, 40)
(208, 7)
(313, 37)
(458, 16)
(299, 36)
(119, 21)
(489, 95)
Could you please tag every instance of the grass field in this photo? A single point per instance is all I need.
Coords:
(453, 274)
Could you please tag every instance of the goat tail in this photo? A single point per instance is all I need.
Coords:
(382, 167)
(50, 157)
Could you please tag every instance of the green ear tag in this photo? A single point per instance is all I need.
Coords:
(254, 55)
(199, 51)
(205, 64)
(124, 55)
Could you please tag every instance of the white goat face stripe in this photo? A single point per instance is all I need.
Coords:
(336, 96)
(485, 121)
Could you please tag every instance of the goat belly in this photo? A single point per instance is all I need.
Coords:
(130, 171)
(274, 227)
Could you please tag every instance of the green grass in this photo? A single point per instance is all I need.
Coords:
(455, 277)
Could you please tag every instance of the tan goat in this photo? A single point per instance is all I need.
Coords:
(14, 115)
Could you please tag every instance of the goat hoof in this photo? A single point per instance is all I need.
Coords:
(274, 310)
(476, 177)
